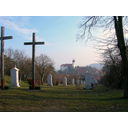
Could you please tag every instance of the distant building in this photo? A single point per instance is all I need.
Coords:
(65, 66)
(73, 63)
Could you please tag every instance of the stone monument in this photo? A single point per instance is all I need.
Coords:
(81, 82)
(49, 80)
(15, 77)
(65, 81)
(88, 80)
(73, 81)
(77, 82)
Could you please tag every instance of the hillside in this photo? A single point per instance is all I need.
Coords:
(96, 65)
(7, 80)
(62, 99)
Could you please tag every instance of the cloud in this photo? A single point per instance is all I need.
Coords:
(19, 27)
(49, 44)
(39, 39)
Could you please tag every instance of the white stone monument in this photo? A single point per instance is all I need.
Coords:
(15, 77)
(88, 80)
(77, 82)
(49, 80)
(65, 81)
(73, 81)
(81, 82)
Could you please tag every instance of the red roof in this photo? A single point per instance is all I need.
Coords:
(101, 72)
(80, 70)
(66, 65)
(97, 72)
(97, 78)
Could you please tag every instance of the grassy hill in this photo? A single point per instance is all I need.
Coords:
(62, 99)
(7, 80)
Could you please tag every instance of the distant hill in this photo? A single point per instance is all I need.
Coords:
(96, 65)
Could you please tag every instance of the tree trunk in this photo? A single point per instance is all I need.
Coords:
(122, 48)
(42, 80)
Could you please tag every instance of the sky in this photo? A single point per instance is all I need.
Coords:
(59, 34)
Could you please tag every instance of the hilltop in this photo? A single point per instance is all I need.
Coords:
(96, 65)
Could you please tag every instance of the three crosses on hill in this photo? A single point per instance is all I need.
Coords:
(33, 43)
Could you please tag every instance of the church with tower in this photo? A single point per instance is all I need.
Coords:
(66, 66)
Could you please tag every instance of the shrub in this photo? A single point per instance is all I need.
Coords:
(39, 82)
(6, 87)
(54, 83)
(36, 87)
(30, 87)
(58, 82)
(69, 83)
(29, 81)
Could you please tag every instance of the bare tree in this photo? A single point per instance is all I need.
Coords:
(113, 69)
(8, 64)
(18, 58)
(44, 66)
(116, 27)
(8, 61)
(25, 67)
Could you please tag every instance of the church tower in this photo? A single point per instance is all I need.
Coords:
(73, 63)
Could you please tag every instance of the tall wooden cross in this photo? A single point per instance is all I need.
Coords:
(33, 43)
(2, 38)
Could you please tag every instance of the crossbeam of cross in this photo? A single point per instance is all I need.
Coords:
(33, 43)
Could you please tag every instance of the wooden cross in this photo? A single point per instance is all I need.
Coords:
(2, 38)
(33, 43)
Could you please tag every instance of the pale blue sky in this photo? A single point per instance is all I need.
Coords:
(58, 32)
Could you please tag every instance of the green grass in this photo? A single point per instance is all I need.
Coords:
(62, 99)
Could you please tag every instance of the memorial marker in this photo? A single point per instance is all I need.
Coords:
(33, 43)
(2, 38)
(65, 81)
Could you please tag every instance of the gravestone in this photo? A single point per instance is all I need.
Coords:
(88, 81)
(65, 81)
(78, 85)
(73, 81)
(81, 82)
(78, 82)
(14, 77)
(49, 80)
